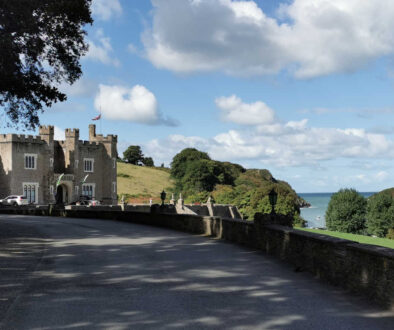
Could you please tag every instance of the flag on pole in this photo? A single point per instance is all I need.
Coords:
(97, 118)
(84, 179)
(59, 179)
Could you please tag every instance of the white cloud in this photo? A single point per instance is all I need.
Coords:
(136, 104)
(310, 38)
(60, 134)
(281, 144)
(234, 110)
(101, 50)
(106, 9)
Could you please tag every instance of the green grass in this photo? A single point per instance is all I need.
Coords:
(385, 242)
(142, 181)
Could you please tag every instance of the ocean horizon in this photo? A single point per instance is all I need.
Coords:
(315, 214)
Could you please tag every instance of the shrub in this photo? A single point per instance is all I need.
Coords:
(390, 234)
(346, 212)
(380, 214)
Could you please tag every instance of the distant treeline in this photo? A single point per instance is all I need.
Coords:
(350, 212)
(198, 177)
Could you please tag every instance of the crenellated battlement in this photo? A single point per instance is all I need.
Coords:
(72, 133)
(88, 143)
(99, 137)
(46, 130)
(20, 138)
(105, 139)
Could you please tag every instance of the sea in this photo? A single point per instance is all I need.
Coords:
(315, 215)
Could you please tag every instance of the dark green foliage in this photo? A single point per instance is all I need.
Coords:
(196, 176)
(380, 213)
(199, 176)
(346, 212)
(148, 161)
(41, 42)
(133, 155)
(197, 197)
(390, 234)
(180, 161)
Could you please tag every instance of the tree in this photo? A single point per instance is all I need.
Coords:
(346, 212)
(41, 42)
(133, 155)
(380, 214)
(199, 176)
(180, 160)
(148, 161)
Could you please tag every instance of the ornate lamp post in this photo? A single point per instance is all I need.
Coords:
(273, 197)
(163, 197)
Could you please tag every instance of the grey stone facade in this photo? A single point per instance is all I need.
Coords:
(32, 165)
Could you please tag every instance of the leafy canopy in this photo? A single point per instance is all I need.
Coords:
(41, 42)
(148, 161)
(133, 155)
(180, 161)
(380, 214)
(197, 176)
(346, 212)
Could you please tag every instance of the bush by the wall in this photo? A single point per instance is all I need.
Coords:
(346, 212)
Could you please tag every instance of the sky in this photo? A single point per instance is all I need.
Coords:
(303, 88)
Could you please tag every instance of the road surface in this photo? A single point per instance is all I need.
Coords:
(59, 273)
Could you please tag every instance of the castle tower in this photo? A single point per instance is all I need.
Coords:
(47, 133)
(110, 141)
(92, 132)
(72, 154)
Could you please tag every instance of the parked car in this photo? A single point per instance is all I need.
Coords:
(14, 200)
(86, 200)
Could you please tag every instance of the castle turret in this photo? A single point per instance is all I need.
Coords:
(109, 141)
(72, 154)
(47, 133)
(92, 132)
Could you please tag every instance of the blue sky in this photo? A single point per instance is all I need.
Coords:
(303, 88)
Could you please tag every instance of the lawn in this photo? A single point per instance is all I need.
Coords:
(142, 182)
(352, 237)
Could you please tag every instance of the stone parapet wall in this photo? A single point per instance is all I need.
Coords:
(362, 269)
(20, 138)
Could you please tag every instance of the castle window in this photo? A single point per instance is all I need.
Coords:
(31, 161)
(114, 162)
(88, 189)
(51, 190)
(51, 162)
(114, 187)
(30, 191)
(88, 164)
(76, 163)
(76, 190)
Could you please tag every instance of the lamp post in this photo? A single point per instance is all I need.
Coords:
(163, 197)
(273, 197)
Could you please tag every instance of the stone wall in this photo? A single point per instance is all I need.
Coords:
(362, 269)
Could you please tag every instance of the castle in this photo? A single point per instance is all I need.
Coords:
(50, 171)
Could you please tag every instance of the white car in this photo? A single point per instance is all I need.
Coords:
(14, 200)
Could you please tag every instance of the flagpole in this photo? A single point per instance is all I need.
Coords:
(101, 122)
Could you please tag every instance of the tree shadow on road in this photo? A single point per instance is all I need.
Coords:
(99, 274)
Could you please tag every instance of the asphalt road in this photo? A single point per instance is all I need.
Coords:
(59, 273)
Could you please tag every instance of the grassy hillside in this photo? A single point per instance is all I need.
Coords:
(139, 183)
(353, 237)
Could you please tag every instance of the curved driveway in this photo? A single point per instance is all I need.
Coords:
(59, 273)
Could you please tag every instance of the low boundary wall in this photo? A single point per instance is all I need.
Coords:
(362, 269)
